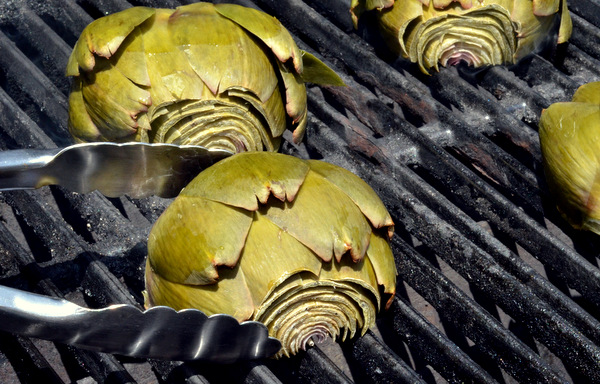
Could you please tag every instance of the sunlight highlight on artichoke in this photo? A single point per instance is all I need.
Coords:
(477, 32)
(220, 76)
(301, 246)
(570, 143)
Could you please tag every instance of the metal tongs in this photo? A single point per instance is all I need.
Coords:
(138, 170)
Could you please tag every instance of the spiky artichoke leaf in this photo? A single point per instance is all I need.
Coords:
(207, 49)
(588, 93)
(356, 189)
(200, 235)
(250, 177)
(381, 257)
(267, 28)
(103, 37)
(326, 220)
(316, 72)
(86, 129)
(230, 296)
(271, 256)
(568, 137)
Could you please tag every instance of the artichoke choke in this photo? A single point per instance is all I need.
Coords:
(478, 32)
(570, 144)
(221, 76)
(301, 246)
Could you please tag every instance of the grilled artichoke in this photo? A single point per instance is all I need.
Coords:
(221, 76)
(570, 143)
(301, 246)
(478, 32)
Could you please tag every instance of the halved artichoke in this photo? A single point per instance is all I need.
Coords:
(478, 32)
(570, 143)
(221, 76)
(301, 246)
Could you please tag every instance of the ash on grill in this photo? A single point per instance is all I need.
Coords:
(494, 286)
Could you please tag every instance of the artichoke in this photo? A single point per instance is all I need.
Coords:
(478, 32)
(299, 245)
(221, 76)
(570, 143)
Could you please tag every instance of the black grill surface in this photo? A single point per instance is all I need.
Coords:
(493, 285)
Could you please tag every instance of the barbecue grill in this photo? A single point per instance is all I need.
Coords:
(494, 286)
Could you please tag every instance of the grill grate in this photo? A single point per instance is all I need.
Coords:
(493, 285)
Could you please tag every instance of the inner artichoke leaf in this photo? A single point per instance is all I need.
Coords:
(356, 189)
(207, 49)
(271, 256)
(257, 177)
(198, 235)
(324, 219)
(272, 111)
(267, 28)
(316, 72)
(381, 257)
(229, 296)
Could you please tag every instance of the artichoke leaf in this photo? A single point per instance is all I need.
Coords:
(208, 48)
(359, 273)
(324, 219)
(358, 190)
(230, 296)
(87, 130)
(381, 258)
(130, 60)
(170, 73)
(588, 93)
(316, 72)
(566, 24)
(114, 113)
(272, 111)
(201, 235)
(268, 29)
(271, 256)
(545, 7)
(568, 134)
(254, 176)
(104, 36)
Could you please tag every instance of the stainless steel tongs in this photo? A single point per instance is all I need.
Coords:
(159, 332)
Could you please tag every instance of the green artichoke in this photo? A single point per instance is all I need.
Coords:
(221, 76)
(301, 246)
(478, 32)
(570, 143)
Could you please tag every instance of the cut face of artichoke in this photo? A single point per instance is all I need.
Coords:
(221, 76)
(478, 32)
(301, 246)
(570, 143)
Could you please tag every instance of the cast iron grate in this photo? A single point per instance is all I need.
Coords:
(493, 285)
